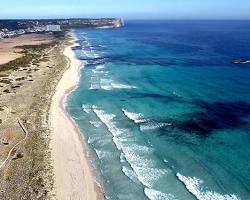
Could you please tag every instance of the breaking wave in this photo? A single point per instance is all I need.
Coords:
(109, 84)
(136, 117)
(145, 124)
(193, 185)
(96, 124)
(151, 125)
(136, 155)
(86, 108)
(157, 195)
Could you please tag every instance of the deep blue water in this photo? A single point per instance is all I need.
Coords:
(164, 110)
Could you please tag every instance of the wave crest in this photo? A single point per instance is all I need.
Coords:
(193, 185)
(136, 117)
(157, 195)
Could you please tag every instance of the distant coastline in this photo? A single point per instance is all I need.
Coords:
(14, 28)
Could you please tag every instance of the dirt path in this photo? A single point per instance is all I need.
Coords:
(17, 144)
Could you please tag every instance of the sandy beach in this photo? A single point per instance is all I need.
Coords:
(73, 173)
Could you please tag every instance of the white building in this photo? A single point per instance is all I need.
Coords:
(53, 28)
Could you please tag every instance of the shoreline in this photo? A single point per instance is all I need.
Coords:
(74, 177)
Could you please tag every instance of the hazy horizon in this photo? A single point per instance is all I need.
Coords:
(126, 19)
(156, 9)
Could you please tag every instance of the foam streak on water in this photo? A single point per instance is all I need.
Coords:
(153, 125)
(136, 117)
(194, 186)
(109, 84)
(136, 155)
(86, 108)
(145, 124)
(157, 195)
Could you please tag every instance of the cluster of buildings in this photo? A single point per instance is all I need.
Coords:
(53, 28)
(13, 28)
(101, 22)
(5, 33)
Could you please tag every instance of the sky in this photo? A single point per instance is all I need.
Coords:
(127, 9)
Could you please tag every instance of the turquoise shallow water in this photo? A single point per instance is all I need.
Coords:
(164, 111)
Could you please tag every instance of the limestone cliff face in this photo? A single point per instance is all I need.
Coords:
(110, 23)
(118, 23)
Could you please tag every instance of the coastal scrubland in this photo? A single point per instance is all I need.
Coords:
(10, 51)
(27, 84)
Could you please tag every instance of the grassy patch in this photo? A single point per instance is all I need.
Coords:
(30, 53)
(20, 79)
(5, 81)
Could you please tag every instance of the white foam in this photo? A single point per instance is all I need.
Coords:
(136, 155)
(148, 176)
(136, 117)
(193, 185)
(87, 54)
(95, 124)
(145, 169)
(130, 174)
(96, 55)
(153, 125)
(98, 70)
(140, 148)
(109, 84)
(94, 85)
(78, 118)
(95, 71)
(88, 50)
(103, 154)
(86, 108)
(157, 195)
(122, 158)
(100, 66)
(106, 84)
(107, 119)
(122, 86)
(145, 124)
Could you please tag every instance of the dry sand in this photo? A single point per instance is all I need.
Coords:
(73, 173)
(8, 52)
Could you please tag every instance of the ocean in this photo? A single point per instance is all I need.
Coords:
(164, 110)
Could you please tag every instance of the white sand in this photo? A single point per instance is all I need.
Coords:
(73, 173)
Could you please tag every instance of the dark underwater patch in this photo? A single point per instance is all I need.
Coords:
(213, 117)
(94, 61)
(155, 96)
(160, 61)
